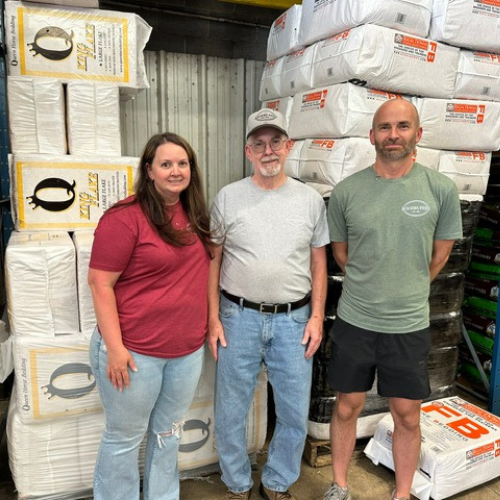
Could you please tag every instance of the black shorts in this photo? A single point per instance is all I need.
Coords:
(399, 360)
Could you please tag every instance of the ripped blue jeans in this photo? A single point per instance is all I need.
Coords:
(156, 403)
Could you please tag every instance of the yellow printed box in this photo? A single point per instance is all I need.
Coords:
(67, 192)
(76, 44)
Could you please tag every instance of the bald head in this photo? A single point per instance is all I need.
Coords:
(396, 107)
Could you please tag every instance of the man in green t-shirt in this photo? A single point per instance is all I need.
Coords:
(392, 227)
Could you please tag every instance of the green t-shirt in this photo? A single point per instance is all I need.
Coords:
(390, 226)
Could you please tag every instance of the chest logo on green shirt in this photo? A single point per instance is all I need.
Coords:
(416, 208)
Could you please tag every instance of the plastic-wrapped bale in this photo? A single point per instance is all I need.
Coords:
(334, 291)
(284, 34)
(446, 293)
(293, 160)
(490, 255)
(322, 19)
(460, 124)
(83, 241)
(460, 256)
(460, 448)
(343, 110)
(54, 378)
(93, 119)
(328, 161)
(76, 44)
(283, 105)
(323, 189)
(446, 329)
(54, 459)
(41, 284)
(469, 170)
(197, 446)
(37, 122)
(466, 23)
(67, 192)
(297, 71)
(383, 58)
(442, 366)
(470, 206)
(271, 80)
(478, 76)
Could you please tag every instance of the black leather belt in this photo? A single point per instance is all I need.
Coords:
(266, 307)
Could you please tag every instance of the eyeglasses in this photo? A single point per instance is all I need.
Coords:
(276, 144)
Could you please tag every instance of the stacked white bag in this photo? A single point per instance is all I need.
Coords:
(66, 68)
(385, 47)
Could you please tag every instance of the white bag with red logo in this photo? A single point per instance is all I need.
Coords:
(460, 448)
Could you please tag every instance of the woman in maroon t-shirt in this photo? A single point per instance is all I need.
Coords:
(148, 275)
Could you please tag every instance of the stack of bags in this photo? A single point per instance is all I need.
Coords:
(68, 69)
(331, 64)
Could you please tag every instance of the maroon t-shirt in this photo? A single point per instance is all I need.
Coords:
(162, 292)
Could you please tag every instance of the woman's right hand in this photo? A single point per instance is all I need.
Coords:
(119, 360)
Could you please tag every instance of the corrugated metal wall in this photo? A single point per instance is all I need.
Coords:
(204, 99)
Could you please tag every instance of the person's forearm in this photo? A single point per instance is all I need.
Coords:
(106, 313)
(319, 283)
(213, 284)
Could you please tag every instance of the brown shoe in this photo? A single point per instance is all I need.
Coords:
(268, 494)
(243, 495)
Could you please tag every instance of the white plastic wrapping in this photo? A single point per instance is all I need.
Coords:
(323, 189)
(93, 119)
(54, 378)
(6, 352)
(459, 124)
(460, 448)
(53, 460)
(293, 160)
(428, 157)
(328, 161)
(383, 58)
(37, 122)
(297, 72)
(67, 192)
(336, 111)
(365, 427)
(283, 105)
(321, 19)
(284, 34)
(83, 241)
(271, 79)
(478, 76)
(40, 272)
(473, 24)
(76, 44)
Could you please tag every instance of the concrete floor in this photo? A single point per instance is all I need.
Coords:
(367, 481)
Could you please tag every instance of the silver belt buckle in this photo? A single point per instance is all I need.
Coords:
(267, 304)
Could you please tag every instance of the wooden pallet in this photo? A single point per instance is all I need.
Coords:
(317, 452)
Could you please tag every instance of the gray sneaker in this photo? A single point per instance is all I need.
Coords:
(335, 492)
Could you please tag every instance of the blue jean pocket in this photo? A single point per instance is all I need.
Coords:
(227, 308)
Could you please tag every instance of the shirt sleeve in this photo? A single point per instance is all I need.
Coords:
(336, 219)
(320, 237)
(217, 225)
(449, 226)
(114, 242)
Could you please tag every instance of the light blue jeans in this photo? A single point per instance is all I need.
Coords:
(275, 339)
(156, 402)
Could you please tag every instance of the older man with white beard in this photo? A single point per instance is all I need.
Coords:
(267, 289)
